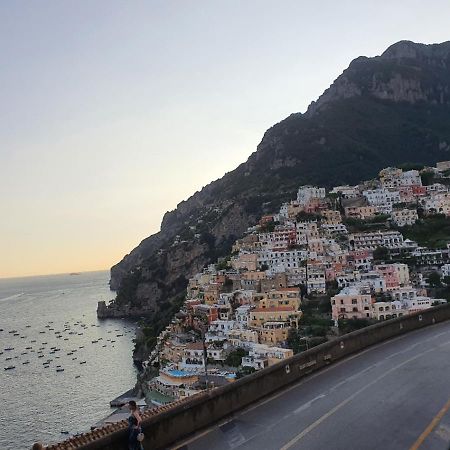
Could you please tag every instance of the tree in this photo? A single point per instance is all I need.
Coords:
(234, 358)
(304, 216)
(434, 279)
(381, 254)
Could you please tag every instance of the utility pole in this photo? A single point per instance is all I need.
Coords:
(205, 352)
(307, 257)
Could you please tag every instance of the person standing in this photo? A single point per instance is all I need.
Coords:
(134, 426)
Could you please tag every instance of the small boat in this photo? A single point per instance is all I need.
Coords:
(40, 356)
(28, 348)
(60, 369)
(10, 367)
(33, 341)
(27, 326)
(26, 362)
(8, 359)
(12, 331)
(94, 342)
(82, 362)
(8, 349)
(77, 376)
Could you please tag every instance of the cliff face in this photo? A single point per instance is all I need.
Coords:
(381, 111)
(405, 72)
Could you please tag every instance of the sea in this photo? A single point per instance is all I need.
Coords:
(47, 324)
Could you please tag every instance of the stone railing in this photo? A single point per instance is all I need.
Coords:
(168, 424)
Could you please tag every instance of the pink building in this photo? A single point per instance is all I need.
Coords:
(390, 275)
(353, 302)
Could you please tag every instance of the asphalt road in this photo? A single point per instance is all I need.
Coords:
(395, 395)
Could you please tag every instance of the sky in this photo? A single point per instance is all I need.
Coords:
(113, 112)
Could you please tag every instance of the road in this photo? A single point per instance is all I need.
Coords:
(393, 396)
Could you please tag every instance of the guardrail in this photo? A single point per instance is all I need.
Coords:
(168, 424)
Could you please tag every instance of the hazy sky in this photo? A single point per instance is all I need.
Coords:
(112, 112)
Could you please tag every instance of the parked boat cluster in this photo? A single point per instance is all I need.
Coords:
(58, 344)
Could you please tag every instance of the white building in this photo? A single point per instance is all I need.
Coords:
(372, 240)
(285, 259)
(382, 198)
(307, 193)
(445, 269)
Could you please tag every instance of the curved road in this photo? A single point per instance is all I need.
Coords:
(392, 396)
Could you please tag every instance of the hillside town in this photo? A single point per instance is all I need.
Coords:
(326, 263)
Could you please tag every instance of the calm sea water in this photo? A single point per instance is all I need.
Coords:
(59, 311)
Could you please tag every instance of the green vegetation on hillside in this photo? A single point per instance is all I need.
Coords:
(430, 231)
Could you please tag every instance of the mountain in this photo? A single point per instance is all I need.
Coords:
(381, 111)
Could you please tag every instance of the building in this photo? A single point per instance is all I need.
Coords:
(193, 357)
(307, 193)
(360, 212)
(285, 259)
(374, 239)
(442, 166)
(274, 333)
(353, 302)
(331, 217)
(260, 315)
(261, 355)
(382, 198)
(403, 217)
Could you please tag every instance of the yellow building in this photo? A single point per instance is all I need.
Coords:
(331, 217)
(273, 333)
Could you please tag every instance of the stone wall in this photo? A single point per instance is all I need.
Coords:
(170, 423)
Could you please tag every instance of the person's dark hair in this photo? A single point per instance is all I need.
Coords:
(133, 405)
(37, 446)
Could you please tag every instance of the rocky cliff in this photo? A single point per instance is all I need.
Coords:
(381, 111)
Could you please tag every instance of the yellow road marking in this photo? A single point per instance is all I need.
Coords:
(431, 426)
(297, 384)
(315, 424)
